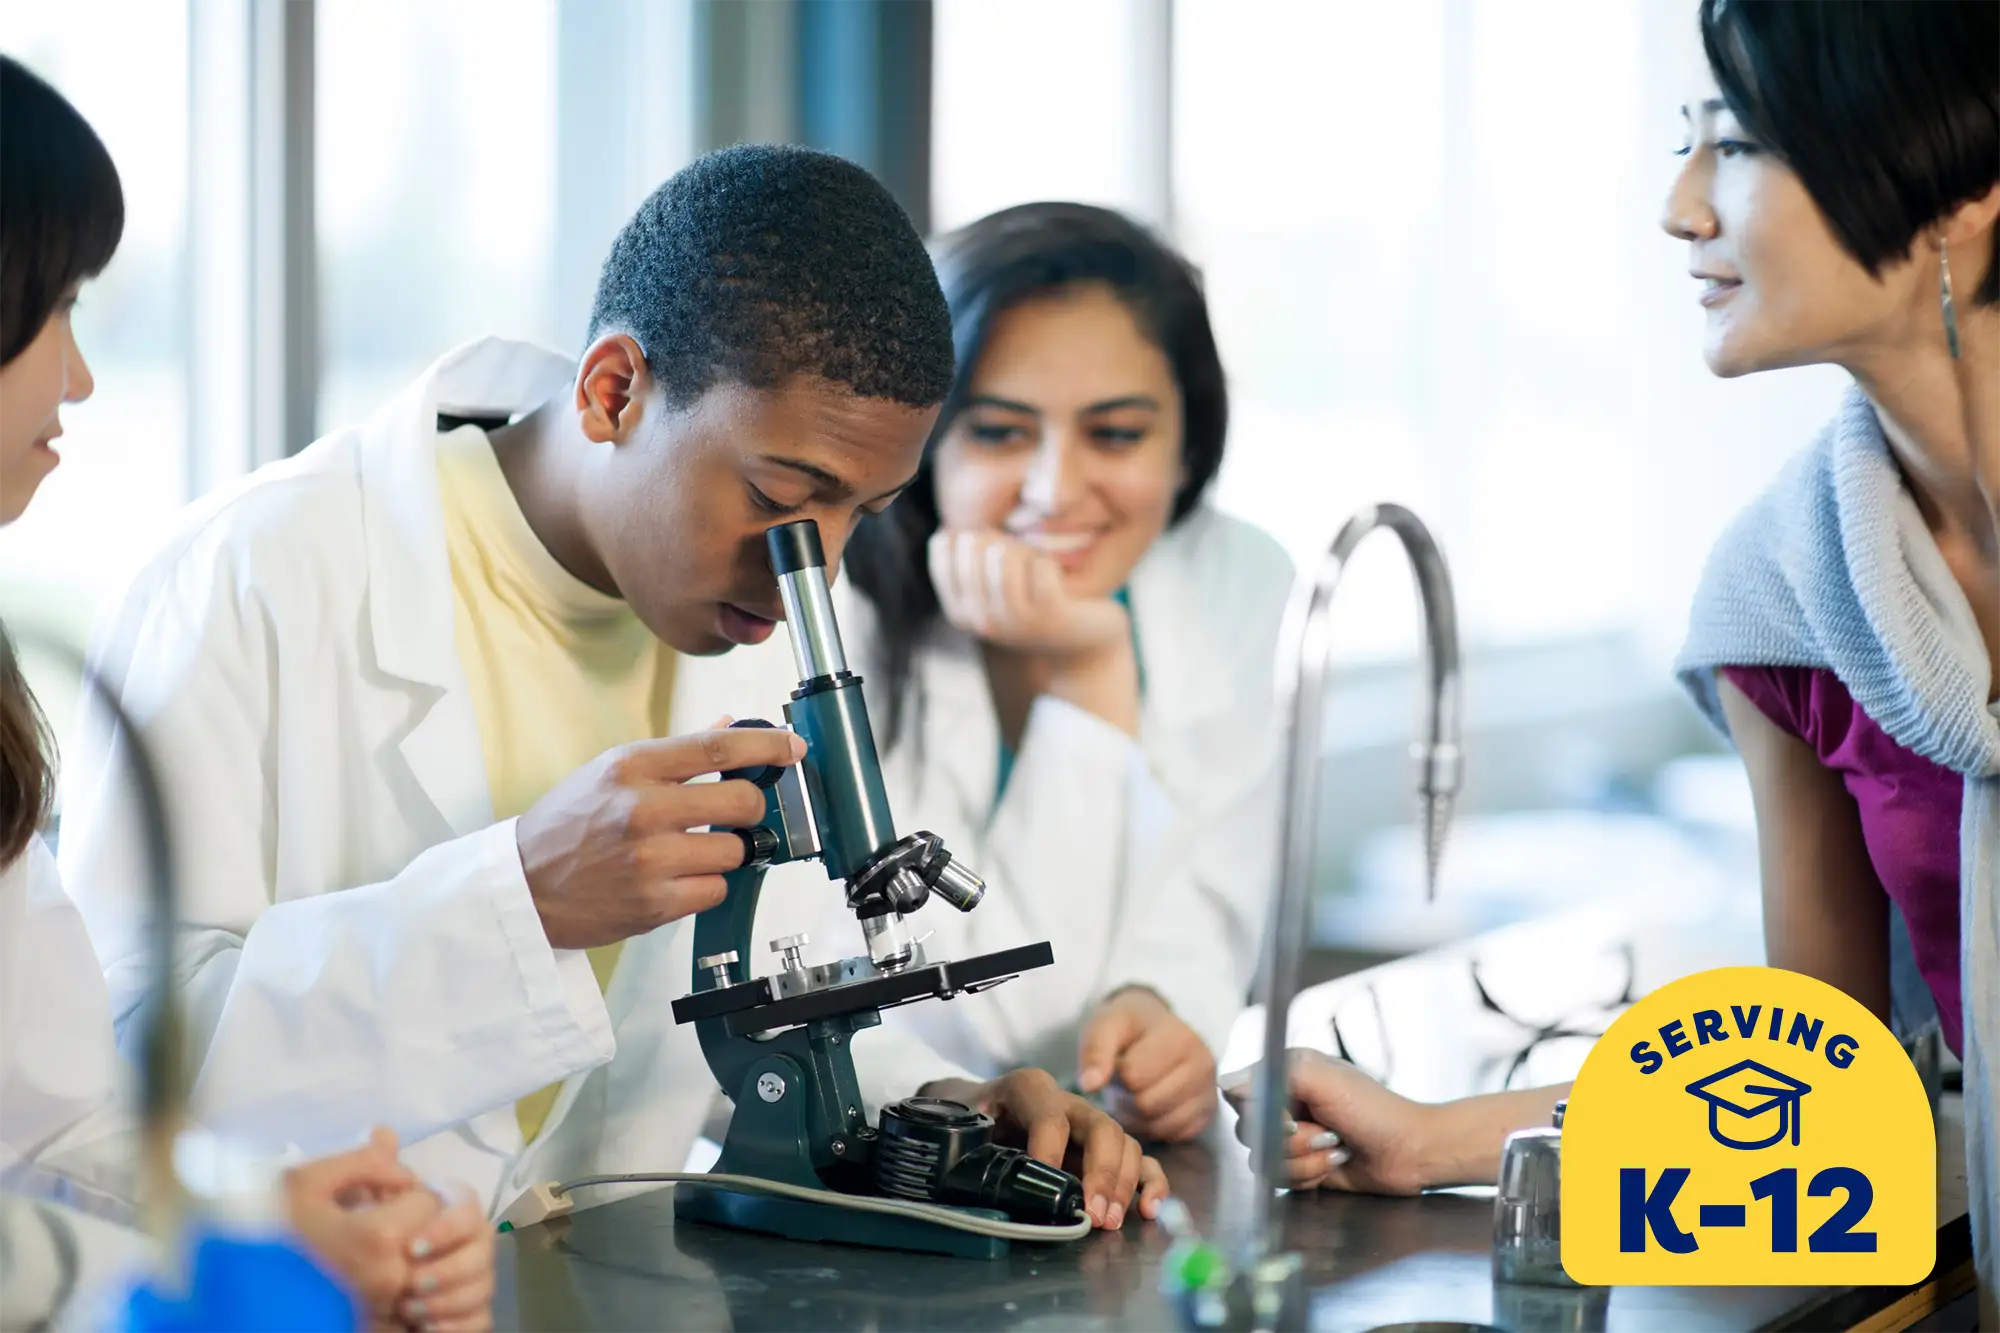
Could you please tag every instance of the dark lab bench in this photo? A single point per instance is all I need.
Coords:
(1369, 1261)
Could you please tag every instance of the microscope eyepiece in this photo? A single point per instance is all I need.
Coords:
(795, 546)
(799, 562)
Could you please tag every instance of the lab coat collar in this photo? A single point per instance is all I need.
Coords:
(409, 569)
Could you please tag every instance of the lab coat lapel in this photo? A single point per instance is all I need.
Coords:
(410, 608)
(960, 733)
(962, 751)
(409, 569)
(1188, 675)
(950, 743)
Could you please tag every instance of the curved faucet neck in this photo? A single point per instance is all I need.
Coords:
(1304, 661)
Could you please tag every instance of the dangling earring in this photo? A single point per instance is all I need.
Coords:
(1944, 297)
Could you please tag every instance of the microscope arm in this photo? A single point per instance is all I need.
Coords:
(727, 929)
(725, 932)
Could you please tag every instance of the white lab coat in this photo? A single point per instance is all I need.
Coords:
(64, 1132)
(58, 1069)
(358, 940)
(1142, 861)
(59, 1267)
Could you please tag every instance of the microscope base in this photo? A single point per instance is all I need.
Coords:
(770, 1137)
(824, 1223)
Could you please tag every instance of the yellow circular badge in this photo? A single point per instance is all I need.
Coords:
(1748, 1126)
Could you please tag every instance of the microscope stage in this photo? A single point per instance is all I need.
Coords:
(750, 1007)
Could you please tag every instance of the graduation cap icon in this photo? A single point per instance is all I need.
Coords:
(1739, 1098)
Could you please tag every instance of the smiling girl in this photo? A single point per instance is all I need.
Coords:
(1069, 654)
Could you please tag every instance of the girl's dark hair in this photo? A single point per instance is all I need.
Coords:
(1889, 113)
(27, 775)
(986, 268)
(61, 214)
(61, 207)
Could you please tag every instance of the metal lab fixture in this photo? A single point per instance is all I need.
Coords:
(1527, 1207)
(1304, 659)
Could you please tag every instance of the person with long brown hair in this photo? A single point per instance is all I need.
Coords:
(409, 1257)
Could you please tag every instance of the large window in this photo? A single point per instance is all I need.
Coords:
(1429, 231)
(470, 161)
(436, 188)
(124, 452)
(1048, 99)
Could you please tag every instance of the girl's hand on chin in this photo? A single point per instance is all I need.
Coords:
(1008, 593)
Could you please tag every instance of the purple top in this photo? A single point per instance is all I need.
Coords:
(1910, 809)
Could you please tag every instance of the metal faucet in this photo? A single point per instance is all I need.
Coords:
(1305, 653)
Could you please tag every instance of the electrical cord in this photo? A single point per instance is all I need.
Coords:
(923, 1212)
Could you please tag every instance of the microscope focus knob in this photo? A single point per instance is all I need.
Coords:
(760, 844)
(762, 775)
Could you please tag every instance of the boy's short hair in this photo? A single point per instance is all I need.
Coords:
(761, 263)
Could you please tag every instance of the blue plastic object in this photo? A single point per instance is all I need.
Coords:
(242, 1285)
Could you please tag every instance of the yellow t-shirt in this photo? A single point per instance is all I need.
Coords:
(559, 672)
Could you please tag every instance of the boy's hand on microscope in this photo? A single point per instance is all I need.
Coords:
(619, 847)
(999, 588)
(1031, 1110)
(1165, 1075)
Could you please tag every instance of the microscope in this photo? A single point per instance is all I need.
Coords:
(927, 1178)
